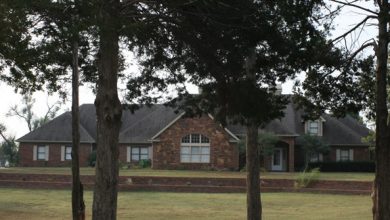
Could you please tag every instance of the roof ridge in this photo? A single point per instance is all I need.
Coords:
(85, 130)
(341, 124)
(138, 121)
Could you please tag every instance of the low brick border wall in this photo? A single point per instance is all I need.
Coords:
(184, 184)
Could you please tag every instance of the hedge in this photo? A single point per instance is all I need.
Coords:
(347, 166)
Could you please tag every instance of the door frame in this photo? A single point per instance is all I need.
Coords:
(280, 166)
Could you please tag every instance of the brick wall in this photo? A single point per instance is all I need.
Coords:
(26, 155)
(166, 152)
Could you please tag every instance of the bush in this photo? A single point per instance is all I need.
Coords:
(92, 159)
(345, 166)
(144, 163)
(306, 177)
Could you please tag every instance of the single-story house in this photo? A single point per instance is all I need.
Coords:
(172, 141)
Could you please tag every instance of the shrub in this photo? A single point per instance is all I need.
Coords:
(92, 159)
(345, 166)
(144, 163)
(306, 177)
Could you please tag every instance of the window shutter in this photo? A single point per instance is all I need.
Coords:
(306, 127)
(35, 152)
(351, 154)
(62, 153)
(150, 152)
(128, 154)
(47, 153)
(337, 154)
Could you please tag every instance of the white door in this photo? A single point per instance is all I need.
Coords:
(277, 160)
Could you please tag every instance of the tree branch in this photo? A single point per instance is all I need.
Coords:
(354, 28)
(355, 6)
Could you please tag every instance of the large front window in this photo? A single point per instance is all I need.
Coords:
(195, 148)
(139, 153)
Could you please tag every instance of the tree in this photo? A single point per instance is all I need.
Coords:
(234, 50)
(108, 111)
(339, 93)
(266, 143)
(26, 113)
(312, 146)
(58, 25)
(8, 148)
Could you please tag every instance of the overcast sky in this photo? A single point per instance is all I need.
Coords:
(18, 127)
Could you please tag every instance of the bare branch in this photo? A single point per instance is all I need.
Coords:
(346, 3)
(354, 28)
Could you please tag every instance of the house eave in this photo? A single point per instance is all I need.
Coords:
(50, 141)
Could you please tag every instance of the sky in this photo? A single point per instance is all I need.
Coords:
(17, 127)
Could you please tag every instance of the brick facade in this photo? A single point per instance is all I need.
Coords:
(223, 152)
(359, 153)
(26, 157)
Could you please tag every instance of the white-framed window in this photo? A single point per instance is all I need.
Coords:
(313, 127)
(318, 157)
(41, 152)
(344, 154)
(195, 148)
(68, 152)
(139, 153)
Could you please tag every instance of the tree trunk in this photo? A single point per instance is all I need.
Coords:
(254, 210)
(109, 112)
(253, 174)
(78, 207)
(381, 206)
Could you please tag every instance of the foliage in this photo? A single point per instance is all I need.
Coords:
(210, 51)
(9, 150)
(312, 145)
(267, 142)
(370, 140)
(306, 177)
(92, 159)
(347, 166)
(144, 163)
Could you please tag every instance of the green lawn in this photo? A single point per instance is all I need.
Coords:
(187, 173)
(55, 204)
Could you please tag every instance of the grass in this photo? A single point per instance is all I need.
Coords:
(55, 204)
(188, 173)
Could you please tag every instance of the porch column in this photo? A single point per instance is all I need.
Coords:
(291, 152)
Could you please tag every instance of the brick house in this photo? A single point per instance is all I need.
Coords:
(172, 141)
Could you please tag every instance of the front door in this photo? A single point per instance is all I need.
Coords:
(277, 159)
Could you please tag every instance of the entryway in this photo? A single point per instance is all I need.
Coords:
(277, 160)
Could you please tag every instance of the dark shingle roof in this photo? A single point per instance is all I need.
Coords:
(336, 131)
(146, 122)
(57, 130)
